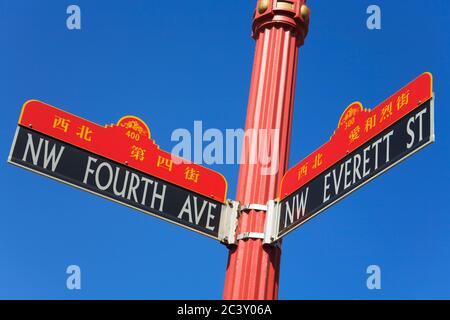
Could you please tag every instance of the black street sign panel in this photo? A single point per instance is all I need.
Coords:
(79, 168)
(407, 136)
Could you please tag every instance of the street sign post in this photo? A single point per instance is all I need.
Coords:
(121, 163)
(279, 29)
(365, 145)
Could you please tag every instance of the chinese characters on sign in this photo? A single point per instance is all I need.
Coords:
(356, 126)
(192, 174)
(84, 132)
(164, 163)
(374, 157)
(61, 124)
(366, 144)
(127, 142)
(137, 153)
(98, 158)
(116, 182)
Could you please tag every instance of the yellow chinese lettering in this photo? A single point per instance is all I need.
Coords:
(386, 112)
(318, 160)
(371, 123)
(164, 163)
(191, 174)
(61, 123)
(403, 100)
(85, 133)
(354, 134)
(303, 171)
(137, 153)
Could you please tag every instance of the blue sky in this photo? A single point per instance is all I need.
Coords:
(174, 64)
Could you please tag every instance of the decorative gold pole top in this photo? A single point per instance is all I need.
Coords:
(293, 14)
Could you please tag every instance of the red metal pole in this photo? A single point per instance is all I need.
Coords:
(279, 28)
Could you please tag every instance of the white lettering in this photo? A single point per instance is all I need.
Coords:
(134, 185)
(356, 165)
(186, 209)
(419, 116)
(375, 145)
(298, 207)
(110, 176)
(410, 133)
(116, 178)
(348, 172)
(365, 162)
(144, 195)
(387, 137)
(337, 182)
(88, 169)
(326, 186)
(161, 196)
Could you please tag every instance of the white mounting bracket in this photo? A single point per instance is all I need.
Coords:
(228, 222)
(230, 214)
(272, 222)
(253, 206)
(250, 235)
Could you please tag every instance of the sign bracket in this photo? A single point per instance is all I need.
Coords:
(228, 222)
(253, 206)
(272, 222)
(250, 235)
(228, 225)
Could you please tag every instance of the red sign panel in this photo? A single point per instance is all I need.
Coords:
(127, 142)
(357, 126)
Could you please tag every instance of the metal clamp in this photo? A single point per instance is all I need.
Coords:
(228, 222)
(250, 235)
(272, 222)
(254, 206)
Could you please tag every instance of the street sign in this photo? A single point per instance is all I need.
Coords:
(365, 145)
(119, 162)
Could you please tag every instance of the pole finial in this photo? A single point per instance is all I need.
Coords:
(293, 14)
